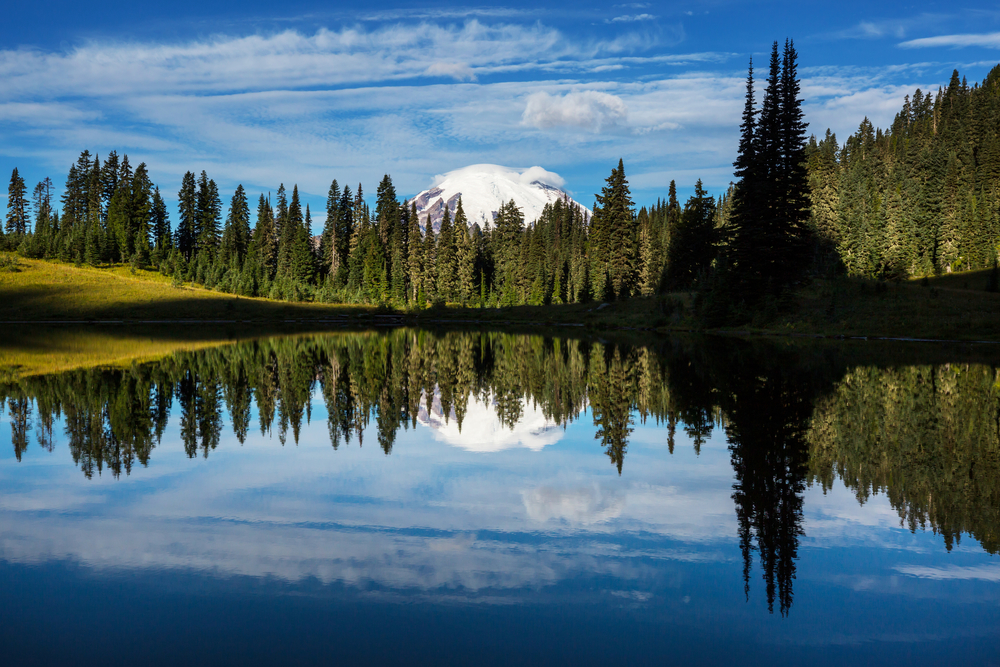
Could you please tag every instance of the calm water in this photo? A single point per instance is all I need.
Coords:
(415, 497)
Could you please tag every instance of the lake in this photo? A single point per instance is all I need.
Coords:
(457, 497)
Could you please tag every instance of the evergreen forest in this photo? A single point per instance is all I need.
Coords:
(919, 198)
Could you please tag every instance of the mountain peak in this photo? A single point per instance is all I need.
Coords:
(483, 188)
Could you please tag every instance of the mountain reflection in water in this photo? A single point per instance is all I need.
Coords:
(925, 436)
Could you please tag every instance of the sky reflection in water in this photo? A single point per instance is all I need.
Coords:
(514, 538)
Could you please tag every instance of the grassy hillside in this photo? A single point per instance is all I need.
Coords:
(40, 291)
(954, 307)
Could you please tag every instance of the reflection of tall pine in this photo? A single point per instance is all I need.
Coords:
(770, 205)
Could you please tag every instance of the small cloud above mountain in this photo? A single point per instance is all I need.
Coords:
(588, 109)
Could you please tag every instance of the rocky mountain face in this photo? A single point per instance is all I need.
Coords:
(483, 188)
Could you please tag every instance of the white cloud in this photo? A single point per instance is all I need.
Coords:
(577, 506)
(457, 71)
(588, 109)
(356, 103)
(975, 572)
(892, 27)
(284, 60)
(482, 429)
(539, 175)
(39, 113)
(631, 18)
(988, 40)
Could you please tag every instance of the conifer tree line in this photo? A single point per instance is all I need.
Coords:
(921, 197)
(766, 235)
(112, 214)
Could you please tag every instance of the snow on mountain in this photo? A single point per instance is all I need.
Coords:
(481, 428)
(484, 187)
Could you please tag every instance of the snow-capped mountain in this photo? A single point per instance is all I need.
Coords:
(484, 187)
(481, 429)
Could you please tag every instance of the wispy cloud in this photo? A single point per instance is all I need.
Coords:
(410, 99)
(631, 18)
(988, 40)
(438, 13)
(896, 28)
(975, 572)
(457, 71)
(286, 59)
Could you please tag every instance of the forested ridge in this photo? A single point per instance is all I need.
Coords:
(112, 214)
(919, 198)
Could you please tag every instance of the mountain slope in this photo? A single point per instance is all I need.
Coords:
(484, 187)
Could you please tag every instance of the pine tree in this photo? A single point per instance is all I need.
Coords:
(399, 243)
(415, 260)
(649, 278)
(289, 232)
(236, 234)
(121, 237)
(343, 236)
(41, 199)
(140, 209)
(506, 241)
(187, 208)
(94, 208)
(109, 181)
(69, 196)
(386, 209)
(792, 197)
(466, 259)
(444, 256)
(264, 240)
(209, 217)
(693, 244)
(17, 217)
(161, 223)
(768, 244)
(302, 268)
(280, 214)
(329, 260)
(623, 258)
(428, 278)
(614, 240)
(824, 179)
(76, 196)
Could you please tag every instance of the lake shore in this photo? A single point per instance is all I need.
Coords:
(44, 292)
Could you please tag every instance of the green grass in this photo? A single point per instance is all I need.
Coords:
(847, 307)
(975, 281)
(46, 292)
(41, 291)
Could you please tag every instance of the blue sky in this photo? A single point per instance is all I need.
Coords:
(304, 92)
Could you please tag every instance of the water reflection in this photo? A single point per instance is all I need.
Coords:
(926, 436)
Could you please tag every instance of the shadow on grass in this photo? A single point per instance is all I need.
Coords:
(53, 303)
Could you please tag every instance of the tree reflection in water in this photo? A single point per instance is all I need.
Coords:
(926, 436)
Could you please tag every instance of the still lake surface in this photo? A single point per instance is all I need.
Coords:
(408, 496)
